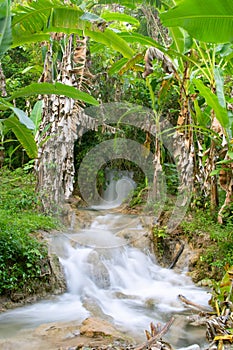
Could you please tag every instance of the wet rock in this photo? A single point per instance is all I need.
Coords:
(57, 275)
(95, 310)
(120, 295)
(17, 297)
(97, 271)
(94, 327)
(191, 347)
(137, 238)
(80, 219)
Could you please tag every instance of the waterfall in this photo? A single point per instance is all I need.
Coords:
(119, 185)
(109, 278)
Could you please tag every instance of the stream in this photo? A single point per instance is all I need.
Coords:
(108, 277)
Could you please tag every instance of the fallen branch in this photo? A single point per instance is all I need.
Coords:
(177, 256)
(190, 303)
(154, 339)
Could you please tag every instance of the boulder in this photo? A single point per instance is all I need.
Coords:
(95, 327)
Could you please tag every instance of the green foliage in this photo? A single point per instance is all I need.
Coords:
(219, 250)
(222, 292)
(212, 100)
(36, 115)
(16, 63)
(119, 17)
(209, 20)
(160, 232)
(56, 89)
(23, 259)
(139, 196)
(23, 134)
(35, 21)
(172, 179)
(5, 26)
(21, 256)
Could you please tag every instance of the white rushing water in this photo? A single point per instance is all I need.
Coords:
(120, 185)
(108, 277)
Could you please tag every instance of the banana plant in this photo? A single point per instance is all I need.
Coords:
(211, 22)
(198, 70)
(33, 22)
(13, 34)
(5, 26)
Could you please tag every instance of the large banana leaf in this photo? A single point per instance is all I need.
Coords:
(55, 89)
(23, 134)
(132, 4)
(120, 17)
(36, 115)
(205, 20)
(22, 116)
(140, 39)
(128, 3)
(213, 102)
(38, 19)
(112, 40)
(5, 26)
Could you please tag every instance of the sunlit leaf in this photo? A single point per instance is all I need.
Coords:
(230, 154)
(23, 134)
(215, 172)
(55, 89)
(224, 337)
(219, 79)
(23, 118)
(209, 20)
(130, 64)
(36, 114)
(117, 66)
(112, 40)
(120, 17)
(132, 4)
(140, 39)
(35, 21)
(213, 102)
(87, 16)
(5, 26)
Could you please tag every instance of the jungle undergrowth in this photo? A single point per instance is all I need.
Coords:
(23, 258)
(218, 248)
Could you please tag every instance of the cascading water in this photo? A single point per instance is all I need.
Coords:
(120, 184)
(109, 278)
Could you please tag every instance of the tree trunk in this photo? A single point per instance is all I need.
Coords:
(3, 94)
(2, 82)
(183, 151)
(226, 183)
(59, 127)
